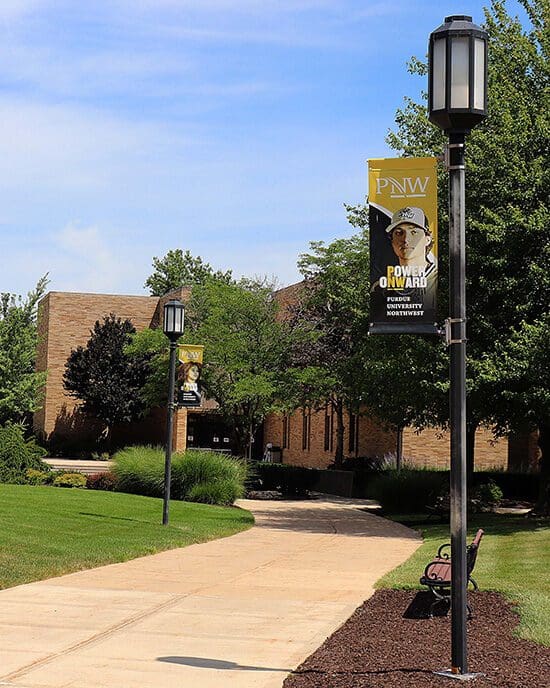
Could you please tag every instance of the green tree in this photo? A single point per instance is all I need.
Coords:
(178, 269)
(246, 351)
(400, 379)
(153, 346)
(332, 310)
(518, 380)
(508, 186)
(20, 386)
(104, 377)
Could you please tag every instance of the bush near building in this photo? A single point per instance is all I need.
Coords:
(197, 476)
(18, 454)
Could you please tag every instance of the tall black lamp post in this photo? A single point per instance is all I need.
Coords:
(457, 102)
(174, 312)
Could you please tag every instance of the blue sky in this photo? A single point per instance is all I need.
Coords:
(232, 128)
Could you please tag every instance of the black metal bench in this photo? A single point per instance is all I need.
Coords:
(437, 574)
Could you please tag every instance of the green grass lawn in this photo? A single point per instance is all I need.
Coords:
(46, 531)
(514, 558)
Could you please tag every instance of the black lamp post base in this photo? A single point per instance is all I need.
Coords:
(448, 673)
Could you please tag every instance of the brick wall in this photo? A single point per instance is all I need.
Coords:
(430, 448)
(65, 322)
(316, 449)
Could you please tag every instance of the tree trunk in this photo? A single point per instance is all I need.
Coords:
(339, 456)
(250, 438)
(399, 448)
(471, 429)
(543, 502)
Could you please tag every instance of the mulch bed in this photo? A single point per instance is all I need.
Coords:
(389, 643)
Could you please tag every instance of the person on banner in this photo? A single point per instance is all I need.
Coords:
(191, 375)
(411, 240)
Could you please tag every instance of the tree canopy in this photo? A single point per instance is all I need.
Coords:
(246, 351)
(20, 386)
(178, 268)
(507, 190)
(104, 377)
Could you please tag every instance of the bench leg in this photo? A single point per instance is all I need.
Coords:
(439, 597)
(472, 581)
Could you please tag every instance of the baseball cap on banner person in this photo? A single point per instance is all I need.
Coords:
(412, 215)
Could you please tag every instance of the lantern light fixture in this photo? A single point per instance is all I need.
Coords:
(457, 83)
(174, 316)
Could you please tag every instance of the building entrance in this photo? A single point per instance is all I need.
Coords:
(208, 431)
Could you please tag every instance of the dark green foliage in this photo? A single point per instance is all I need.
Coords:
(69, 480)
(411, 490)
(104, 378)
(292, 481)
(179, 269)
(17, 454)
(20, 385)
(488, 493)
(196, 475)
(520, 486)
(407, 490)
(106, 481)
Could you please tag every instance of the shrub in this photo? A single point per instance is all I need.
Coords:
(223, 492)
(35, 477)
(488, 493)
(140, 470)
(295, 481)
(521, 486)
(70, 480)
(18, 454)
(195, 467)
(408, 490)
(106, 481)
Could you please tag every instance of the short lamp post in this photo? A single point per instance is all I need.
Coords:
(172, 326)
(457, 102)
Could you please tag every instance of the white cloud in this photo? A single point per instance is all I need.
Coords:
(85, 260)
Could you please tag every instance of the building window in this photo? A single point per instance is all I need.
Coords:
(306, 429)
(286, 431)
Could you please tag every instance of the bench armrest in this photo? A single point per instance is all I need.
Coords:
(441, 554)
(437, 571)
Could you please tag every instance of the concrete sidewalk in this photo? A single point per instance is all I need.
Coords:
(238, 612)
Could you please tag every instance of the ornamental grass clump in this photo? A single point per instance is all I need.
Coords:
(197, 476)
(140, 470)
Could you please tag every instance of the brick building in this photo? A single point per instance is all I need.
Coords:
(306, 437)
(65, 321)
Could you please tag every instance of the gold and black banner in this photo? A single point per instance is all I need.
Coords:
(189, 374)
(403, 245)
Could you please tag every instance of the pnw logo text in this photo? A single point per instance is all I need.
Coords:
(407, 187)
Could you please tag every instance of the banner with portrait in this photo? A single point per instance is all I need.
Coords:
(189, 375)
(403, 245)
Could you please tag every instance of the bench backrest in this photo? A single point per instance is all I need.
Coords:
(472, 551)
